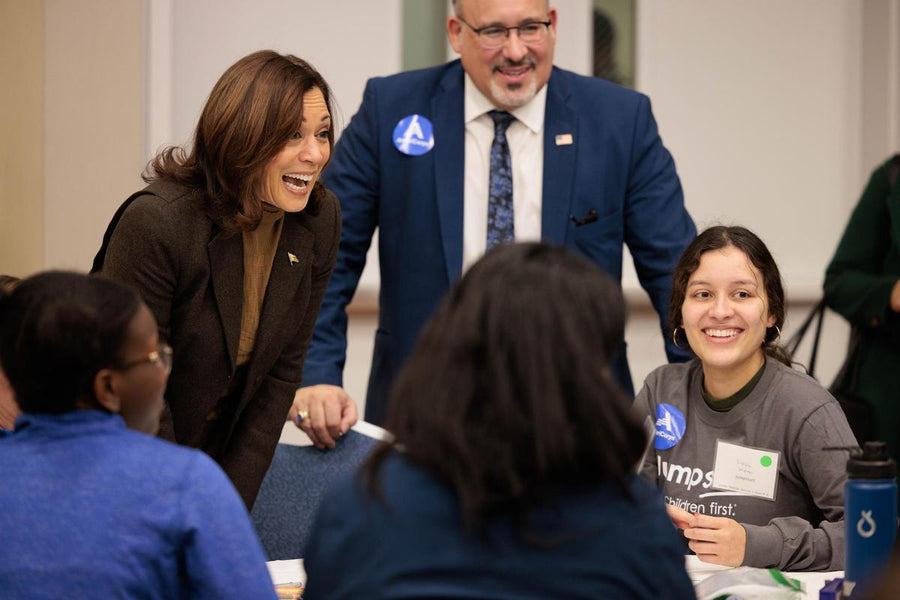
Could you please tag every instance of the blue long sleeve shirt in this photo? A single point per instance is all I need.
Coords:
(91, 509)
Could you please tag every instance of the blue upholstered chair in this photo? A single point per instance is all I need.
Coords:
(294, 487)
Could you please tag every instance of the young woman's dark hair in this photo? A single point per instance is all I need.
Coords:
(508, 396)
(57, 330)
(250, 114)
(717, 238)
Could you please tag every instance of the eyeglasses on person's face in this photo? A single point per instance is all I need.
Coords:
(492, 37)
(161, 357)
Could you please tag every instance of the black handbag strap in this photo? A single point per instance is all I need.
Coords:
(815, 315)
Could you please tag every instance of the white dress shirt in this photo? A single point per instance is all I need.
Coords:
(526, 149)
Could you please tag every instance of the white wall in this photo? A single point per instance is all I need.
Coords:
(765, 107)
(192, 43)
(93, 130)
(759, 102)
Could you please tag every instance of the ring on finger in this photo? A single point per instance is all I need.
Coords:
(302, 415)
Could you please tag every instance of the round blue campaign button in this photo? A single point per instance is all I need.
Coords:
(669, 427)
(413, 135)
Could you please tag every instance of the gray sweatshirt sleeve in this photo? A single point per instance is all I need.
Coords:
(801, 545)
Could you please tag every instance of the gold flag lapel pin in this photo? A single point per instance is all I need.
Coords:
(293, 258)
(564, 139)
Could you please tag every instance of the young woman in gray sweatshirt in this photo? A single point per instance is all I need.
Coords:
(740, 439)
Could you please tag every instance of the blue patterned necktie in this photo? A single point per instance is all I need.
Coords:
(500, 224)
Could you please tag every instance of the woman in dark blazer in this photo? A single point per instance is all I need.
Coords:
(231, 246)
(862, 283)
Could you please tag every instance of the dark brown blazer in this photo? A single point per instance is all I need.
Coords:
(190, 272)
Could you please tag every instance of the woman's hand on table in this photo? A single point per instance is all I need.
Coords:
(324, 413)
(716, 540)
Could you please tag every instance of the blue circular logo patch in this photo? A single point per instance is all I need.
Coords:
(413, 135)
(669, 427)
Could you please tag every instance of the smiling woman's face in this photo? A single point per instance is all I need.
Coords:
(725, 314)
(292, 173)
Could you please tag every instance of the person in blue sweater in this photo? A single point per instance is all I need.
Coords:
(512, 471)
(92, 506)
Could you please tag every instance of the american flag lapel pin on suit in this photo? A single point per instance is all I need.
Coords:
(564, 139)
(293, 258)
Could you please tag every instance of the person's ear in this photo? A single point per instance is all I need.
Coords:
(105, 390)
(454, 33)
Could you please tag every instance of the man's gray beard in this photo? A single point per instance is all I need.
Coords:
(513, 98)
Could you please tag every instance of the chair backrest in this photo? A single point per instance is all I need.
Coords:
(294, 487)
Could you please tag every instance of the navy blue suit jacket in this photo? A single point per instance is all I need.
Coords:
(411, 542)
(616, 166)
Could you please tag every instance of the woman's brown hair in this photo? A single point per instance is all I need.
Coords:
(251, 112)
(508, 396)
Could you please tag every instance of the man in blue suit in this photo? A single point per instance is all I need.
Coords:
(588, 171)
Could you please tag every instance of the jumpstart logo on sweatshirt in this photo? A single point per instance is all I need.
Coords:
(669, 426)
(689, 477)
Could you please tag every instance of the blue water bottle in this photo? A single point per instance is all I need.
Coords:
(870, 516)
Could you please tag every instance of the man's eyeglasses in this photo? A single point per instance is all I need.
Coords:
(161, 357)
(494, 36)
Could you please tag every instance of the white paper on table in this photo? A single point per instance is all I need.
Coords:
(812, 580)
(287, 571)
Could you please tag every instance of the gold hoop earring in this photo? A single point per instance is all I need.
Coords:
(674, 337)
(776, 338)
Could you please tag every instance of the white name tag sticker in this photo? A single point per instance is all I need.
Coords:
(750, 471)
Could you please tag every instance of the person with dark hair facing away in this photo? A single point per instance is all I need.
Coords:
(231, 246)
(91, 506)
(741, 440)
(512, 470)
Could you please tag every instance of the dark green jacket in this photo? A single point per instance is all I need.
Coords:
(858, 285)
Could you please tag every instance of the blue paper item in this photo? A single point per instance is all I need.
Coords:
(832, 590)
(294, 487)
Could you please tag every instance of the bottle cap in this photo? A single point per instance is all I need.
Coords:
(872, 462)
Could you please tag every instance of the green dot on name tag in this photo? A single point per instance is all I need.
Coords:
(766, 461)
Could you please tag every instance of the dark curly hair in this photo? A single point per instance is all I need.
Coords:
(508, 396)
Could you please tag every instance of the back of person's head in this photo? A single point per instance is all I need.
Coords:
(57, 331)
(717, 238)
(508, 395)
(251, 112)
